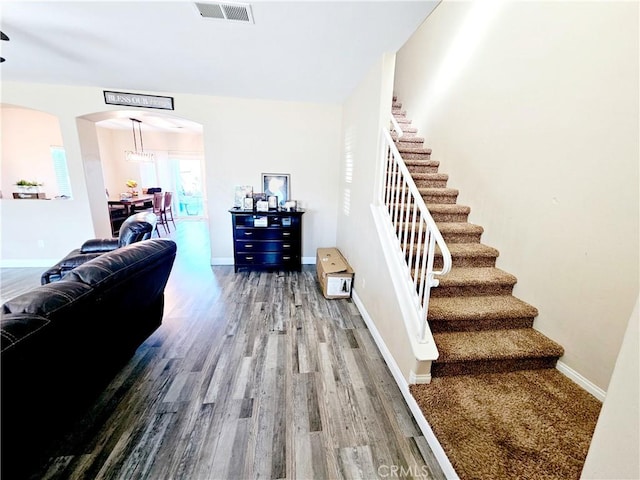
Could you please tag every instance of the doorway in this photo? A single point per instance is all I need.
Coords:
(189, 186)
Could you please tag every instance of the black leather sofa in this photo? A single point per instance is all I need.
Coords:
(61, 343)
(135, 228)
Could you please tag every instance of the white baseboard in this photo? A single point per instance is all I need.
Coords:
(593, 389)
(419, 378)
(435, 446)
(222, 261)
(28, 263)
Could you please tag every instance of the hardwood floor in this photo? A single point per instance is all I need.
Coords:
(251, 375)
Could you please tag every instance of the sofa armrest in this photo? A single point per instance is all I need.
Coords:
(73, 259)
(99, 245)
(51, 275)
(16, 327)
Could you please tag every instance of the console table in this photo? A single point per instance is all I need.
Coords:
(270, 240)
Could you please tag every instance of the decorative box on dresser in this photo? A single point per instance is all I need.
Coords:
(268, 240)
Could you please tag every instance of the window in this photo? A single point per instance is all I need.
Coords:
(62, 173)
(148, 175)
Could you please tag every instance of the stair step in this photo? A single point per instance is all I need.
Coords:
(433, 180)
(407, 131)
(460, 232)
(474, 281)
(456, 314)
(405, 141)
(493, 351)
(447, 212)
(468, 255)
(463, 255)
(398, 113)
(414, 153)
(421, 166)
(403, 120)
(452, 233)
(439, 195)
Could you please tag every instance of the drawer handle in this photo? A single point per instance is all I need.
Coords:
(286, 257)
(286, 234)
(286, 245)
(249, 245)
(248, 233)
(248, 258)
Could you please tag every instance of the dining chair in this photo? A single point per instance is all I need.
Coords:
(168, 208)
(158, 210)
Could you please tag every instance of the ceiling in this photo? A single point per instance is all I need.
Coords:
(307, 51)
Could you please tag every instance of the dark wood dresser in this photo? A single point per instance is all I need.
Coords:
(267, 240)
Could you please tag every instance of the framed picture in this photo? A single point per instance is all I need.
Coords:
(242, 192)
(278, 185)
(259, 196)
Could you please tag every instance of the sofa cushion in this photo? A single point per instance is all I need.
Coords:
(118, 265)
(46, 300)
(75, 258)
(100, 245)
(133, 277)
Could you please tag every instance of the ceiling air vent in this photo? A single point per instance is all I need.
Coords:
(234, 12)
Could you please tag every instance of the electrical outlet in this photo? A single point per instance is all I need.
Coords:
(40, 243)
(363, 283)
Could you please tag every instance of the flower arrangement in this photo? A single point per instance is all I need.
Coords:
(133, 187)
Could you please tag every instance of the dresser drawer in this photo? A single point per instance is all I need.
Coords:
(243, 233)
(267, 258)
(277, 221)
(251, 246)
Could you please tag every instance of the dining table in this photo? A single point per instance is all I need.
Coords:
(130, 203)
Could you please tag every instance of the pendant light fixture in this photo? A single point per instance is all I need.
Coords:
(138, 155)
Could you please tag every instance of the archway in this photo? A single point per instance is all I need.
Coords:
(33, 158)
(104, 138)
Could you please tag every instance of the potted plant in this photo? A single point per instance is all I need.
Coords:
(26, 186)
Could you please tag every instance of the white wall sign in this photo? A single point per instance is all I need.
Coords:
(138, 100)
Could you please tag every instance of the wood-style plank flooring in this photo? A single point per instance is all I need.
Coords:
(251, 375)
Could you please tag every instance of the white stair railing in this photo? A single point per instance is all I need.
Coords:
(415, 230)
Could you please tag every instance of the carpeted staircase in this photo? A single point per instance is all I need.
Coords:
(496, 404)
(477, 324)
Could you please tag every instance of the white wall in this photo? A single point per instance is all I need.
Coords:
(241, 139)
(245, 138)
(537, 125)
(365, 112)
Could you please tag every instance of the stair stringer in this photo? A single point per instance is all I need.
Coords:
(425, 352)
